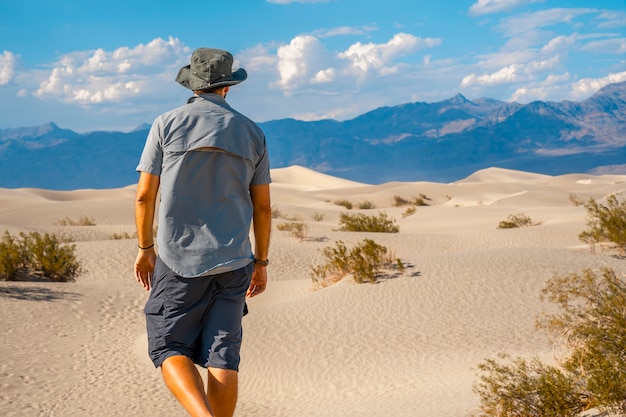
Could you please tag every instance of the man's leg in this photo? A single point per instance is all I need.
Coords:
(222, 388)
(184, 380)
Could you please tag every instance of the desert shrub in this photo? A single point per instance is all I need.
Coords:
(52, 257)
(318, 217)
(522, 388)
(575, 200)
(400, 201)
(344, 203)
(364, 261)
(276, 213)
(419, 201)
(46, 255)
(13, 257)
(82, 221)
(606, 223)
(366, 205)
(590, 334)
(409, 212)
(121, 236)
(298, 230)
(363, 223)
(516, 220)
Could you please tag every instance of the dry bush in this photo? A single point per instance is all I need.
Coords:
(366, 205)
(122, 236)
(299, 230)
(409, 212)
(517, 220)
(344, 203)
(318, 217)
(276, 213)
(590, 334)
(47, 256)
(82, 221)
(364, 261)
(606, 223)
(575, 200)
(400, 201)
(363, 223)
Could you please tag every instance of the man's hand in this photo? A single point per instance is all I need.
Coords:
(258, 282)
(144, 267)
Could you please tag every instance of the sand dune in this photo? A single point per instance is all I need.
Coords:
(407, 346)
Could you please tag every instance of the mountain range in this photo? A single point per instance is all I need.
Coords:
(440, 142)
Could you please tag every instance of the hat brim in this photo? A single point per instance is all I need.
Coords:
(188, 80)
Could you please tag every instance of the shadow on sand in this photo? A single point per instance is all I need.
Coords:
(37, 292)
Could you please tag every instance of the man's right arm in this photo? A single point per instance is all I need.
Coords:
(262, 226)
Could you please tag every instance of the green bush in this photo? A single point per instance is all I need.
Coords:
(517, 220)
(525, 389)
(590, 331)
(607, 223)
(363, 223)
(364, 262)
(47, 256)
(298, 230)
(13, 257)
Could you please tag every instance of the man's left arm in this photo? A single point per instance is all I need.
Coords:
(145, 205)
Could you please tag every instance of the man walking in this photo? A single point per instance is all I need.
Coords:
(212, 167)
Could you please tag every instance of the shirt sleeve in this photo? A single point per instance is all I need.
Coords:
(262, 169)
(152, 155)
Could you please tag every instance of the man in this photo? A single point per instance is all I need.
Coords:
(211, 165)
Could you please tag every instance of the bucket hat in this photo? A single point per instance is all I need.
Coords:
(210, 68)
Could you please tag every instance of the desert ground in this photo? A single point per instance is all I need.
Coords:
(406, 346)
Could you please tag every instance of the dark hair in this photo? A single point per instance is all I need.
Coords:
(209, 90)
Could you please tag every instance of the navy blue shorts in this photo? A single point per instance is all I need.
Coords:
(197, 317)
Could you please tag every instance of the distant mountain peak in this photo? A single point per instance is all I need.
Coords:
(616, 90)
(141, 127)
(34, 131)
(459, 99)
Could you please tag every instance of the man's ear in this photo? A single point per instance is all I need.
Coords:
(226, 89)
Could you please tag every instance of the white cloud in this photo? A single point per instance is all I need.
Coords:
(609, 46)
(588, 86)
(365, 58)
(528, 25)
(8, 63)
(306, 61)
(553, 85)
(324, 76)
(482, 7)
(343, 30)
(299, 61)
(99, 76)
(504, 75)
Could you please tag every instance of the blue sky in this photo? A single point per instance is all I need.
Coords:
(110, 65)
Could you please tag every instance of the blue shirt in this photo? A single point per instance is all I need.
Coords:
(207, 155)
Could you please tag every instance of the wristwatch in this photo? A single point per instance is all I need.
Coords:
(261, 262)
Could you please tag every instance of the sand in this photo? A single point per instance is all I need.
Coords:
(406, 346)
